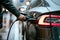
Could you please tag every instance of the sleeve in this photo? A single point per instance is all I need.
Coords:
(9, 6)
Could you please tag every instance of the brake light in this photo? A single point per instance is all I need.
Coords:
(41, 20)
(43, 17)
(55, 24)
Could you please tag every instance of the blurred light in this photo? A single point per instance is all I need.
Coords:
(41, 20)
(6, 10)
(27, 3)
(22, 9)
(3, 9)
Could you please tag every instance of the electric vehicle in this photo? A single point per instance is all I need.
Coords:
(46, 25)
(48, 20)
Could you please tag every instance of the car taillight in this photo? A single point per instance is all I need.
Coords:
(43, 18)
(55, 24)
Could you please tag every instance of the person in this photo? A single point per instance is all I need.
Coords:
(10, 7)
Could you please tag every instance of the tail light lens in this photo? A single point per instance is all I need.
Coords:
(50, 23)
(41, 20)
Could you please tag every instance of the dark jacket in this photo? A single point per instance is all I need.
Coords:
(8, 5)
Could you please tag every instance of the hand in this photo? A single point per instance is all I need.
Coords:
(21, 17)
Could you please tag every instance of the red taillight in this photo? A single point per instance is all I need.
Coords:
(41, 20)
(55, 24)
(43, 17)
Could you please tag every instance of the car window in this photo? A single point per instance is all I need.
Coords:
(46, 3)
(57, 2)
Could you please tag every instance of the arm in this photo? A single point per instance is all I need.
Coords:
(8, 5)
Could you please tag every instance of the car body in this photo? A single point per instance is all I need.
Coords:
(48, 6)
(51, 10)
(48, 31)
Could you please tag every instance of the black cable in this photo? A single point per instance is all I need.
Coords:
(12, 25)
(10, 30)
